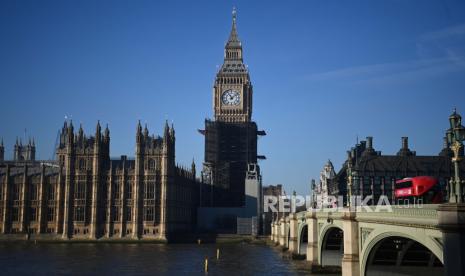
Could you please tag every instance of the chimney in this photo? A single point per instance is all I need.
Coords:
(369, 142)
(404, 150)
(405, 143)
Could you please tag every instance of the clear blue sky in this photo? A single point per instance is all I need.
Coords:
(323, 73)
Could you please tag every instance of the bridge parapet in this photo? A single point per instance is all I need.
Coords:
(439, 228)
(424, 217)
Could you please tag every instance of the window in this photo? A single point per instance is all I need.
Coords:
(34, 192)
(82, 164)
(33, 213)
(16, 191)
(152, 164)
(51, 192)
(80, 190)
(117, 190)
(404, 184)
(149, 189)
(149, 213)
(50, 213)
(129, 190)
(116, 213)
(129, 214)
(15, 214)
(79, 213)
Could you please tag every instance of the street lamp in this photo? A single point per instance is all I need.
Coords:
(455, 137)
(349, 180)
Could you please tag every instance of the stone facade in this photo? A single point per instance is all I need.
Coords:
(86, 195)
(268, 215)
(24, 152)
(375, 174)
(321, 190)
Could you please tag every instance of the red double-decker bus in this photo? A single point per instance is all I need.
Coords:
(419, 189)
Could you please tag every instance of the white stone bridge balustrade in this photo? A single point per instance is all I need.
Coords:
(434, 229)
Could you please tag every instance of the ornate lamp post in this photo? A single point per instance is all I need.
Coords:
(349, 182)
(455, 137)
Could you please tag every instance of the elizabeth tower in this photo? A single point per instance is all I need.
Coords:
(231, 138)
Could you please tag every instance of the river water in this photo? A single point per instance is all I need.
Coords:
(144, 259)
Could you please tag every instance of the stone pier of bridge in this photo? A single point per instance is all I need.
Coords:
(439, 228)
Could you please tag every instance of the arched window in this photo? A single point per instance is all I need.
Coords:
(152, 164)
(82, 164)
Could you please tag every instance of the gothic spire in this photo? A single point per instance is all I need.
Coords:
(71, 127)
(98, 128)
(172, 131)
(146, 131)
(233, 48)
(81, 131)
(233, 37)
(167, 129)
(139, 128)
(107, 132)
(193, 165)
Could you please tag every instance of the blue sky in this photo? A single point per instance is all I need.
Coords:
(324, 72)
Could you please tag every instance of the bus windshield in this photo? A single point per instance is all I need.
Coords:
(406, 184)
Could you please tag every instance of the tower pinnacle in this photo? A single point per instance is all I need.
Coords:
(233, 40)
(234, 12)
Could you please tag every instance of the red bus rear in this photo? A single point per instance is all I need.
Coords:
(420, 189)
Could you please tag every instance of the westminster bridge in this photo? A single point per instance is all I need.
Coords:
(424, 240)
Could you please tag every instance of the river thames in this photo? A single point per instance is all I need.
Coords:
(144, 259)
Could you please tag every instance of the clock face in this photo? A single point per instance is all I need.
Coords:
(231, 97)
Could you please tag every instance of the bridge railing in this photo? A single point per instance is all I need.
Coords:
(425, 215)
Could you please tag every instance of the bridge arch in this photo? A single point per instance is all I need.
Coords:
(378, 236)
(328, 230)
(302, 238)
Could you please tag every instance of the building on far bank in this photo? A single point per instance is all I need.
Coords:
(320, 191)
(86, 195)
(268, 215)
(374, 174)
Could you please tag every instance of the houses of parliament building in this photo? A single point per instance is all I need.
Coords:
(84, 194)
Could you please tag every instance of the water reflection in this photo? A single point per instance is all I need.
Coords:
(143, 259)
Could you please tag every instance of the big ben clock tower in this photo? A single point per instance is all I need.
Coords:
(232, 89)
(231, 138)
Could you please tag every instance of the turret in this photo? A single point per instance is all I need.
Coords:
(26, 152)
(98, 131)
(80, 134)
(166, 131)
(106, 134)
(172, 132)
(146, 132)
(17, 148)
(31, 150)
(70, 135)
(139, 138)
